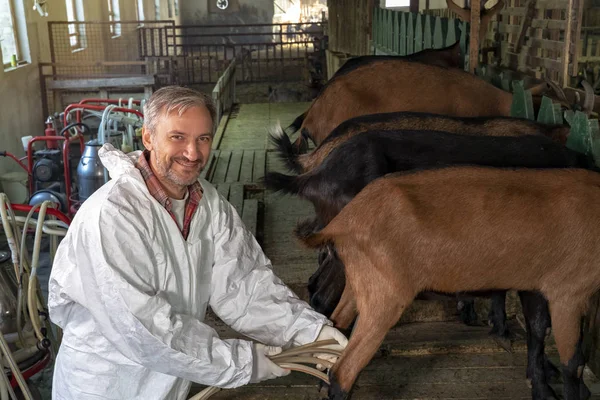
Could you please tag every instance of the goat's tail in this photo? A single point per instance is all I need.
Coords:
(285, 148)
(288, 184)
(306, 232)
(295, 126)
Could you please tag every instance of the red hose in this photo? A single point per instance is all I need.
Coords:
(10, 155)
(56, 213)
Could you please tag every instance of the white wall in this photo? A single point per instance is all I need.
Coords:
(20, 101)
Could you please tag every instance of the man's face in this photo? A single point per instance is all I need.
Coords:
(179, 148)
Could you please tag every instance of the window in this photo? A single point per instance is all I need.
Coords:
(170, 8)
(139, 10)
(13, 33)
(114, 14)
(8, 34)
(76, 31)
(157, 9)
(397, 3)
(176, 7)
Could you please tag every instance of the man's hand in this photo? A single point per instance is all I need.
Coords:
(329, 332)
(262, 367)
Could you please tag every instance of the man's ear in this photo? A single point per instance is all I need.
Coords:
(146, 138)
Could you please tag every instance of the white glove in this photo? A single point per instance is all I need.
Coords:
(329, 332)
(262, 367)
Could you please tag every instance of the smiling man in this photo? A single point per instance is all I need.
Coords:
(146, 255)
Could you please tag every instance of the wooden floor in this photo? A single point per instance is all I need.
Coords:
(429, 355)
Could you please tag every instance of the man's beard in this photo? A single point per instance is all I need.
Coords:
(168, 173)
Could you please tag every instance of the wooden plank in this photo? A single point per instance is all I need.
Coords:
(427, 33)
(250, 214)
(438, 34)
(548, 24)
(260, 158)
(247, 166)
(553, 4)
(236, 196)
(221, 130)
(418, 33)
(535, 43)
(576, 40)
(209, 169)
(564, 78)
(396, 33)
(534, 62)
(474, 35)
(526, 23)
(233, 172)
(403, 37)
(514, 11)
(223, 189)
(451, 34)
(222, 166)
(142, 80)
(410, 33)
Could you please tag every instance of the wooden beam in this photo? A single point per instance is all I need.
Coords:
(564, 74)
(474, 35)
(143, 80)
(526, 23)
(414, 6)
(577, 31)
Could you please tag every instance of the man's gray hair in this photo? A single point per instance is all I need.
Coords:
(175, 98)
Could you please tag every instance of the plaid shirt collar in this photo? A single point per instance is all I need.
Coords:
(157, 191)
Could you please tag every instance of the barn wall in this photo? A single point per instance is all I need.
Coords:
(349, 26)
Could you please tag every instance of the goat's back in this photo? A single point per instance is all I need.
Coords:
(388, 86)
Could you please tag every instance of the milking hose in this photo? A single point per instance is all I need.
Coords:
(4, 349)
(291, 359)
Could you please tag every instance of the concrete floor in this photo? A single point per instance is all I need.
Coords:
(429, 355)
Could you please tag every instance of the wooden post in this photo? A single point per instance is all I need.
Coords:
(578, 15)
(564, 76)
(414, 6)
(474, 35)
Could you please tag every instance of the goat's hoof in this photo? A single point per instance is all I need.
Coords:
(335, 390)
(504, 342)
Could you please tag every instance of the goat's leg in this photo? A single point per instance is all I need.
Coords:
(537, 322)
(345, 312)
(566, 322)
(466, 306)
(315, 279)
(497, 319)
(329, 287)
(380, 306)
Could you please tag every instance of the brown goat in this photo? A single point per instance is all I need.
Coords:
(465, 229)
(388, 86)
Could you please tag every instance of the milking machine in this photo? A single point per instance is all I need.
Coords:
(119, 126)
(68, 175)
(27, 339)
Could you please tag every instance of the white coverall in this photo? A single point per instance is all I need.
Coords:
(131, 295)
